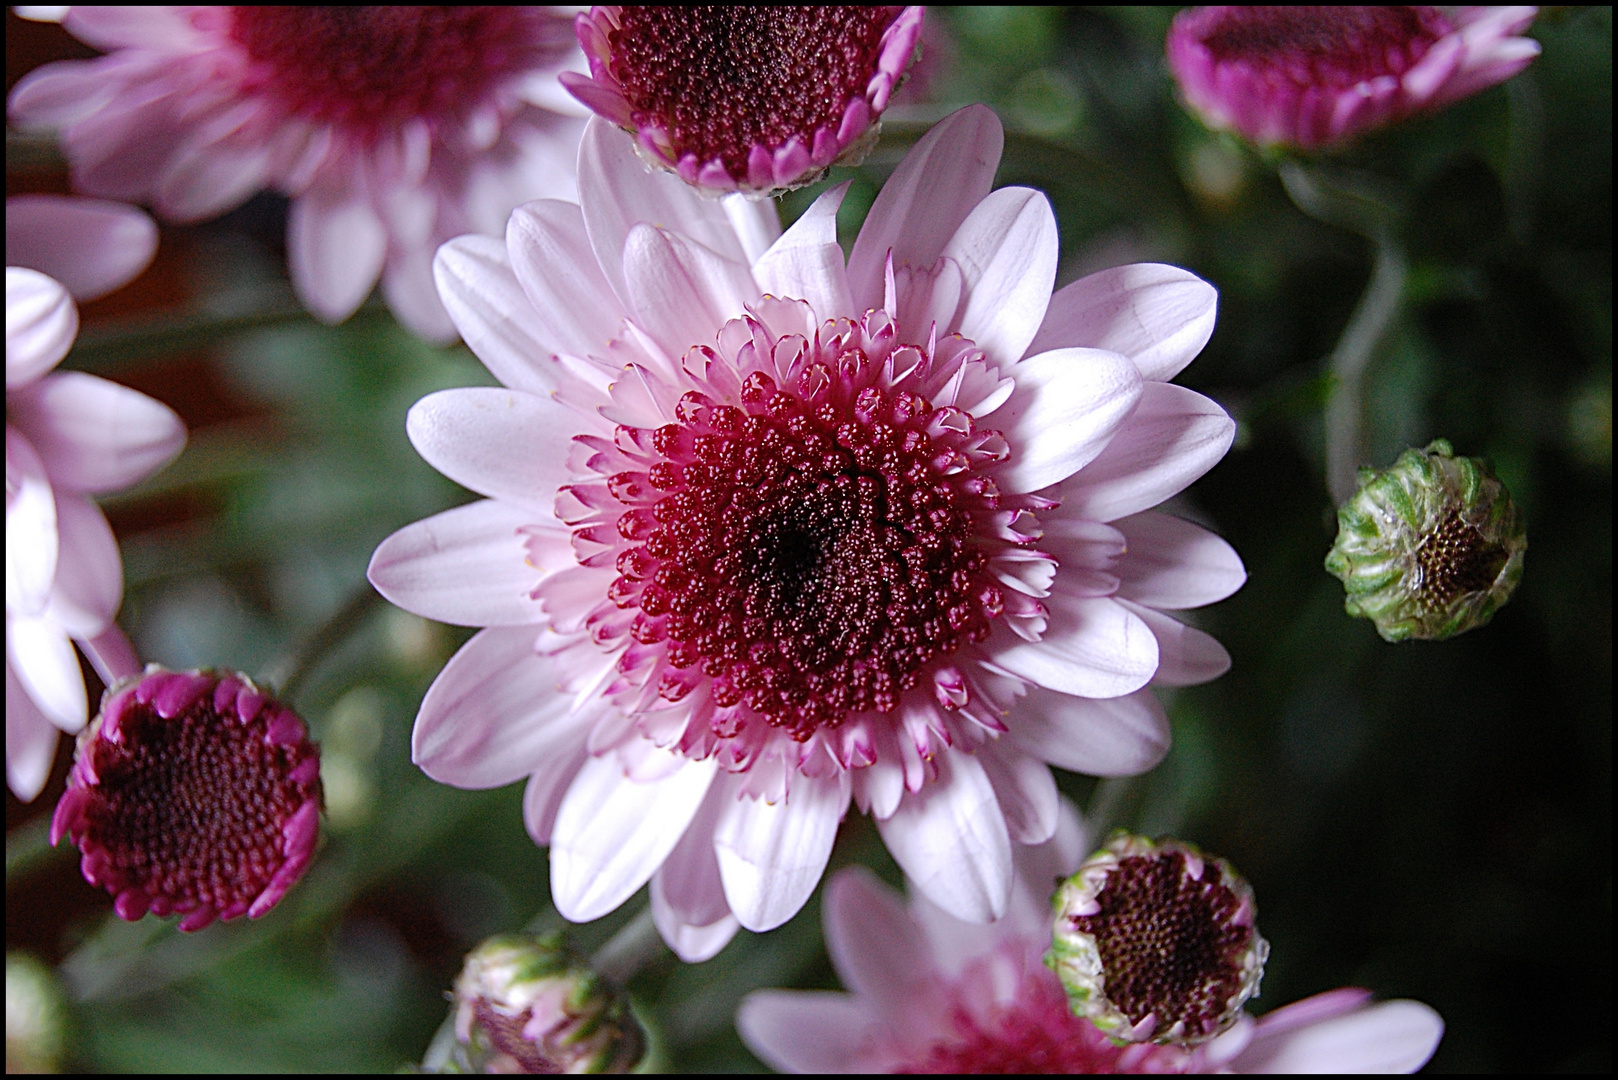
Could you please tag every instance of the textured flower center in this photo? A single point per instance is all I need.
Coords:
(368, 68)
(810, 556)
(1455, 559)
(721, 80)
(1171, 943)
(1332, 46)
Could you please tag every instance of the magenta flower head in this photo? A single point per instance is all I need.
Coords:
(1312, 77)
(753, 98)
(193, 793)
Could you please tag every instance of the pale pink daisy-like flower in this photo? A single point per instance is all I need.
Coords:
(1315, 76)
(392, 129)
(755, 98)
(767, 533)
(193, 793)
(932, 994)
(69, 436)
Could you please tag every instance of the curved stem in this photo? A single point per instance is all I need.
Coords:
(290, 675)
(1345, 412)
(111, 654)
(630, 949)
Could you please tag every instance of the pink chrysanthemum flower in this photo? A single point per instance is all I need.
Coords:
(193, 793)
(767, 533)
(392, 128)
(753, 98)
(68, 436)
(1314, 76)
(931, 994)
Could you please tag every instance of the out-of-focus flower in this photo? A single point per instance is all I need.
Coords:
(527, 1005)
(931, 994)
(1429, 547)
(68, 436)
(1155, 942)
(192, 793)
(392, 128)
(36, 1016)
(756, 98)
(1315, 76)
(767, 533)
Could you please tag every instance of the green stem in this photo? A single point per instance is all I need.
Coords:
(630, 949)
(302, 662)
(1345, 412)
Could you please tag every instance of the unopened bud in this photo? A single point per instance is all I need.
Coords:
(1155, 942)
(1430, 547)
(36, 1016)
(527, 1004)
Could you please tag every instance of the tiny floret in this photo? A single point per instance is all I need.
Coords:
(1430, 547)
(1155, 942)
(193, 793)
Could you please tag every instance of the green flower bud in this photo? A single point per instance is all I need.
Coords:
(1430, 547)
(1155, 942)
(36, 1016)
(527, 1004)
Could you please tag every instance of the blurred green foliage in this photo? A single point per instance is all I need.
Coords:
(1426, 820)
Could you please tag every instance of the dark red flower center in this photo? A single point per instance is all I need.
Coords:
(1456, 558)
(1170, 942)
(811, 558)
(369, 68)
(720, 80)
(1331, 46)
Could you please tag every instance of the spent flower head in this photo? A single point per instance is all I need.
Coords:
(1430, 547)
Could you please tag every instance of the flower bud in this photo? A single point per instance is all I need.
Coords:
(1430, 547)
(1155, 942)
(527, 1004)
(36, 1016)
(192, 793)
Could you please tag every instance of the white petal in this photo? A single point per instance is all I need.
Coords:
(335, 247)
(1026, 790)
(875, 946)
(30, 741)
(1392, 1037)
(89, 582)
(806, 263)
(412, 295)
(547, 785)
(41, 323)
(48, 669)
(1120, 736)
(480, 291)
(935, 187)
(804, 1031)
(755, 221)
(507, 444)
(612, 832)
(1092, 647)
(950, 839)
(1006, 249)
(688, 895)
(32, 545)
(771, 856)
(1174, 564)
(1186, 656)
(95, 435)
(682, 292)
(468, 566)
(574, 307)
(1158, 316)
(1067, 405)
(1173, 437)
(91, 246)
(495, 713)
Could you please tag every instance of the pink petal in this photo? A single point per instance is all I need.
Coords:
(1174, 564)
(804, 1031)
(1120, 736)
(875, 946)
(602, 100)
(755, 221)
(1187, 656)
(335, 248)
(806, 263)
(1006, 250)
(94, 435)
(547, 786)
(1158, 316)
(1173, 437)
(688, 895)
(468, 566)
(943, 177)
(495, 713)
(205, 178)
(1392, 1037)
(612, 832)
(1092, 647)
(1065, 409)
(506, 444)
(48, 668)
(1026, 789)
(480, 290)
(60, 94)
(30, 740)
(91, 246)
(412, 295)
(574, 307)
(89, 582)
(110, 28)
(771, 856)
(682, 292)
(41, 323)
(950, 839)
(32, 543)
